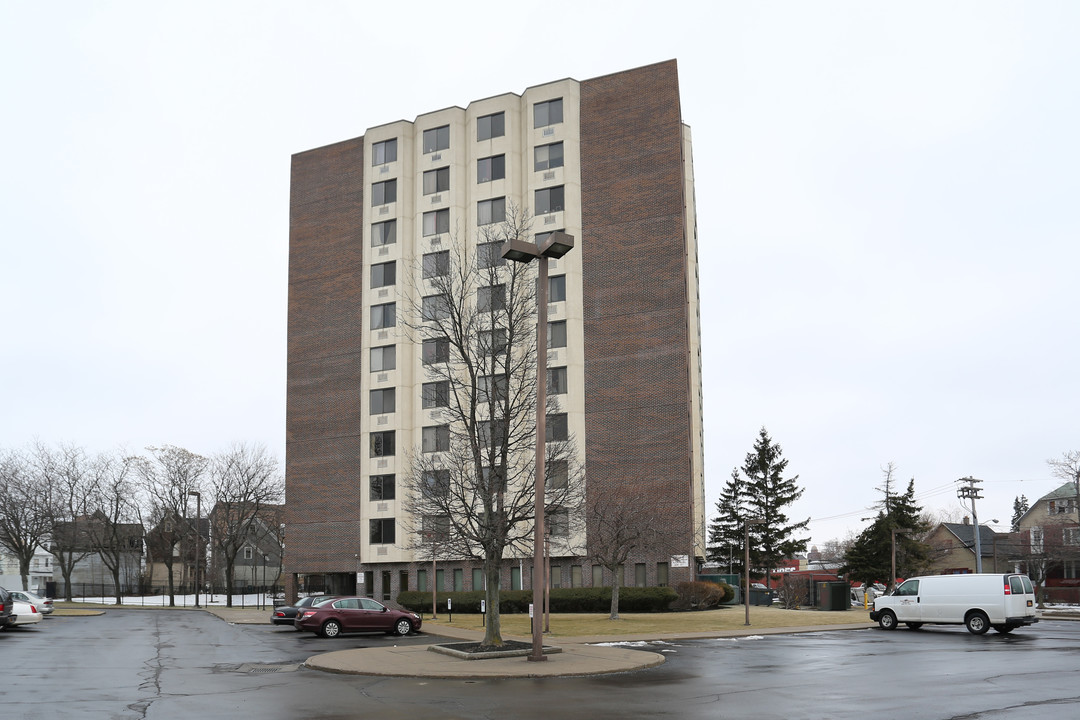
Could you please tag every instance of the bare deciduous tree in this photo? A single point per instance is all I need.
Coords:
(245, 483)
(470, 489)
(115, 525)
(167, 477)
(617, 527)
(24, 521)
(67, 480)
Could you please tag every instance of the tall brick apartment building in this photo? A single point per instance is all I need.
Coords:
(608, 160)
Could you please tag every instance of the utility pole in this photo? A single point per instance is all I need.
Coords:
(972, 492)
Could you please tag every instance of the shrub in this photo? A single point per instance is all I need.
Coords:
(701, 595)
(563, 600)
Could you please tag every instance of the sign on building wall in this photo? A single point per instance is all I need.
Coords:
(680, 561)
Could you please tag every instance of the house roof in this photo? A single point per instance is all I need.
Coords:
(965, 533)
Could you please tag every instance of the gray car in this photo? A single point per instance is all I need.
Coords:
(44, 605)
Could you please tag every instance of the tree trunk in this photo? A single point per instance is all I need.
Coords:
(116, 583)
(493, 625)
(614, 595)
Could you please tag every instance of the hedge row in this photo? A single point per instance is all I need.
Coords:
(563, 600)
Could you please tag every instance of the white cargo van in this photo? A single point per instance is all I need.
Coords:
(1002, 601)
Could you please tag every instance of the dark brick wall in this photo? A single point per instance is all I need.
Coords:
(634, 253)
(324, 449)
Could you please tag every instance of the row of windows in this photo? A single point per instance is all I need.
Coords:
(437, 394)
(436, 438)
(437, 482)
(490, 298)
(549, 112)
(436, 222)
(545, 157)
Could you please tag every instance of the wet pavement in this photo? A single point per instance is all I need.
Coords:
(169, 664)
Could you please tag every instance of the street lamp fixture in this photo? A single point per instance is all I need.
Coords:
(555, 245)
(198, 538)
(746, 546)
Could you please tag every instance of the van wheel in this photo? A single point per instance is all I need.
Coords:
(1004, 629)
(914, 626)
(887, 621)
(977, 623)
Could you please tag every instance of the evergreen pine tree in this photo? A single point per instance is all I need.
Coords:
(1020, 506)
(726, 530)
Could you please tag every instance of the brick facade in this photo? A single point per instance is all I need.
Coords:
(635, 254)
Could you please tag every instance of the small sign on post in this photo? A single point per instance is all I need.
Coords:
(483, 613)
(450, 609)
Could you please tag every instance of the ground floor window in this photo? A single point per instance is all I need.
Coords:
(421, 580)
(459, 580)
(477, 579)
(515, 578)
(575, 576)
(639, 574)
(597, 575)
(662, 574)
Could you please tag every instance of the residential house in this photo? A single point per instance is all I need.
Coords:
(1050, 543)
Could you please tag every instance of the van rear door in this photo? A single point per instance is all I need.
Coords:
(1019, 597)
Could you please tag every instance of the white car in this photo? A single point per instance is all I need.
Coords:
(43, 605)
(28, 614)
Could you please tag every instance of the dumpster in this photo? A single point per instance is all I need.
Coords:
(834, 596)
(760, 597)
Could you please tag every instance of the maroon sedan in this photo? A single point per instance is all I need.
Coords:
(356, 614)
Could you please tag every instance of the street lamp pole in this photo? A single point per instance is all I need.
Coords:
(746, 547)
(198, 538)
(555, 245)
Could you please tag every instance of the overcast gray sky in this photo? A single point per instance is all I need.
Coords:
(887, 212)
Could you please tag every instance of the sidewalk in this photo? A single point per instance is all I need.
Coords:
(576, 656)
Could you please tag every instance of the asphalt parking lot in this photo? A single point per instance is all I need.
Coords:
(170, 664)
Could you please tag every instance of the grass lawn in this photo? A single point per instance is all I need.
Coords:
(725, 618)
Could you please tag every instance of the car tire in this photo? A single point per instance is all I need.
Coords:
(331, 629)
(977, 623)
(887, 621)
(403, 627)
(914, 626)
(1004, 629)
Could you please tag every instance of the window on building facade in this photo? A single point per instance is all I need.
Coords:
(382, 487)
(436, 222)
(435, 528)
(477, 579)
(382, 531)
(548, 200)
(436, 438)
(547, 113)
(435, 350)
(383, 274)
(597, 575)
(556, 288)
(381, 401)
(384, 152)
(556, 331)
(489, 255)
(434, 307)
(546, 157)
(492, 389)
(436, 394)
(436, 264)
(382, 443)
(493, 479)
(557, 427)
(1036, 540)
(436, 139)
(492, 342)
(435, 483)
(383, 193)
(487, 430)
(384, 233)
(559, 523)
(491, 298)
(662, 574)
(1070, 536)
(639, 574)
(490, 126)
(1062, 506)
(383, 358)
(383, 316)
(491, 211)
(558, 474)
(490, 168)
(556, 384)
(1071, 569)
(421, 580)
(248, 553)
(436, 181)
